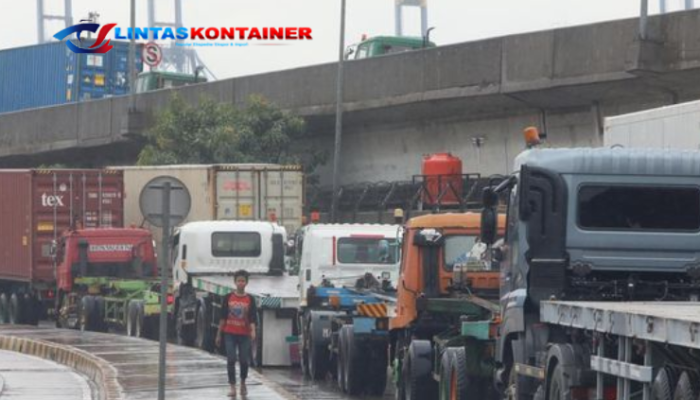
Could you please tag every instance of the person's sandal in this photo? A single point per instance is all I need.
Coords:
(232, 392)
(244, 389)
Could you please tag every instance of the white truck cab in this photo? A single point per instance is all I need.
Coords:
(341, 254)
(222, 247)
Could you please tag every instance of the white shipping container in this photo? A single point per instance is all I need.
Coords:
(676, 127)
(266, 192)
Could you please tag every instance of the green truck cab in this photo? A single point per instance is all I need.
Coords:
(383, 45)
(154, 80)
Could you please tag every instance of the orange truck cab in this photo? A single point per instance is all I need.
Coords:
(418, 279)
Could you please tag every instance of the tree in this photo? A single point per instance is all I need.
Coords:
(212, 133)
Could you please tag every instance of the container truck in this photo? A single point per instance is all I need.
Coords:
(206, 254)
(347, 279)
(252, 192)
(599, 275)
(36, 207)
(50, 74)
(108, 278)
(676, 127)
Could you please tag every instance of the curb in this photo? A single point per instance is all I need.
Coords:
(96, 369)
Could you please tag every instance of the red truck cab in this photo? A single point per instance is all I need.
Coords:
(126, 253)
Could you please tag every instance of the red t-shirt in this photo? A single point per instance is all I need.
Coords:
(239, 313)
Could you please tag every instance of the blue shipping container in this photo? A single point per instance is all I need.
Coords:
(50, 74)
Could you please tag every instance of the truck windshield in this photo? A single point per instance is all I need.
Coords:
(354, 250)
(602, 207)
(458, 249)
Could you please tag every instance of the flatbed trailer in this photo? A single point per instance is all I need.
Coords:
(637, 327)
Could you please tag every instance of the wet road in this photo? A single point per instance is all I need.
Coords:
(293, 382)
(24, 377)
(131, 365)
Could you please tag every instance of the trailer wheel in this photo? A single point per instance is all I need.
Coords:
(416, 375)
(87, 314)
(4, 309)
(340, 363)
(664, 384)
(445, 365)
(687, 387)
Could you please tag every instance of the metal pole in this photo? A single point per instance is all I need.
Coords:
(165, 252)
(646, 389)
(132, 58)
(662, 6)
(599, 378)
(40, 20)
(151, 17)
(689, 4)
(644, 14)
(68, 8)
(338, 112)
(399, 20)
(424, 20)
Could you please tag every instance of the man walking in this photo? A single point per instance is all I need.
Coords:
(239, 317)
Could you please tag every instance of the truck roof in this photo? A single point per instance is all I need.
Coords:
(224, 167)
(468, 220)
(110, 232)
(357, 228)
(613, 161)
(229, 225)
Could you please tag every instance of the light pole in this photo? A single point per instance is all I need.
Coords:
(132, 58)
(338, 112)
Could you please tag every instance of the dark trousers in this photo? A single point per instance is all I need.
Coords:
(237, 349)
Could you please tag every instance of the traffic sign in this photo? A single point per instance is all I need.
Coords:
(152, 204)
(152, 54)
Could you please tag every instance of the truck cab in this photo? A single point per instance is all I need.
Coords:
(347, 255)
(592, 224)
(106, 253)
(222, 247)
(383, 45)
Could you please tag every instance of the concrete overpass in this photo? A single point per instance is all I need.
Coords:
(472, 99)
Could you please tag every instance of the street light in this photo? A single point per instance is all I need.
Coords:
(338, 113)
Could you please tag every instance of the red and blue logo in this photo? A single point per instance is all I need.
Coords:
(97, 47)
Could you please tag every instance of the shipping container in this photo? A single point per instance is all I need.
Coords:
(676, 126)
(51, 74)
(266, 192)
(36, 206)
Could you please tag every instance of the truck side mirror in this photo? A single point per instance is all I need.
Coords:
(489, 220)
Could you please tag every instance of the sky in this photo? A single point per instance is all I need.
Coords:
(455, 21)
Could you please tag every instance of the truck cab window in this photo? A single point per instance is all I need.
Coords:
(636, 208)
(458, 249)
(367, 251)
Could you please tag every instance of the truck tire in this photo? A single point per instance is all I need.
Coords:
(664, 384)
(15, 309)
(131, 318)
(416, 378)
(203, 339)
(687, 387)
(355, 365)
(459, 383)
(318, 358)
(445, 365)
(340, 363)
(378, 369)
(100, 323)
(140, 321)
(4, 309)
(86, 314)
(558, 387)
